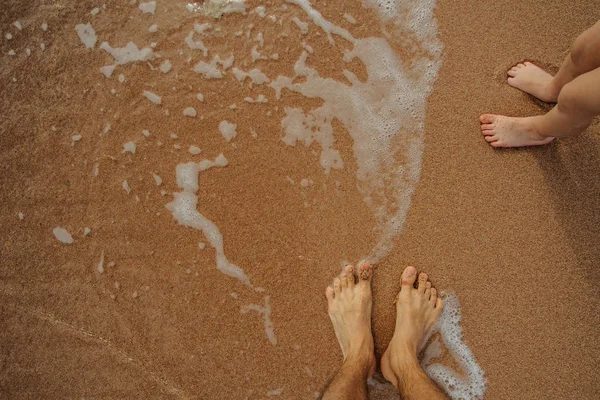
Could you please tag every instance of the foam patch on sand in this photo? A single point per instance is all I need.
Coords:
(472, 383)
(384, 116)
(183, 208)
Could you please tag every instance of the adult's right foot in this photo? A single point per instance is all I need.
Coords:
(533, 80)
(418, 311)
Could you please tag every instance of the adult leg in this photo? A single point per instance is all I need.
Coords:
(418, 310)
(578, 104)
(583, 57)
(349, 306)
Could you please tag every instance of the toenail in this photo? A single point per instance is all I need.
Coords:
(410, 271)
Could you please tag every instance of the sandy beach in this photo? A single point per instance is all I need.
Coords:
(137, 306)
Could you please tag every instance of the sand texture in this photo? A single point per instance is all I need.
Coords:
(514, 233)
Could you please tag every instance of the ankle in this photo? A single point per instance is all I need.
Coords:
(361, 363)
(554, 88)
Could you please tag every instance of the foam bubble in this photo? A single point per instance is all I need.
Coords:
(62, 235)
(86, 34)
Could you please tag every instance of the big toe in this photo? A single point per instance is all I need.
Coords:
(365, 273)
(486, 118)
(408, 277)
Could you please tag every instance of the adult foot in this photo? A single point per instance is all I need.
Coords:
(533, 80)
(418, 311)
(350, 301)
(501, 131)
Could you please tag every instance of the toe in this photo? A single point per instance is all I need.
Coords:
(520, 65)
(365, 273)
(337, 286)
(422, 282)
(487, 126)
(351, 278)
(433, 297)
(527, 63)
(490, 138)
(498, 143)
(344, 279)
(486, 118)
(439, 304)
(511, 81)
(512, 73)
(408, 277)
(329, 294)
(428, 290)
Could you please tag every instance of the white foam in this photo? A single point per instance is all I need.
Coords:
(44, 27)
(196, 45)
(303, 26)
(156, 99)
(129, 147)
(62, 235)
(129, 53)
(349, 18)
(216, 8)
(183, 208)
(95, 11)
(227, 129)
(146, 132)
(211, 70)
(256, 54)
(472, 383)
(200, 97)
(256, 75)
(276, 392)
(157, 179)
(266, 314)
(18, 25)
(126, 186)
(21, 215)
(383, 115)
(86, 231)
(194, 150)
(260, 11)
(148, 7)
(201, 28)
(86, 34)
(8, 36)
(190, 112)
(153, 28)
(107, 70)
(321, 22)
(100, 266)
(165, 66)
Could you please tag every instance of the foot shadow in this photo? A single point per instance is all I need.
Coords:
(572, 170)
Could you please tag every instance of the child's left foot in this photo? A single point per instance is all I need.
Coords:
(501, 131)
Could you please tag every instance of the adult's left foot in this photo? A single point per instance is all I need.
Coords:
(501, 131)
(350, 302)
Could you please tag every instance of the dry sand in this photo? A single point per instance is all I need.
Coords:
(515, 233)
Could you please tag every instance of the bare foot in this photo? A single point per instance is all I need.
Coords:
(418, 311)
(533, 80)
(350, 302)
(501, 131)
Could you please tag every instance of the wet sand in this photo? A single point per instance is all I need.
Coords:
(515, 233)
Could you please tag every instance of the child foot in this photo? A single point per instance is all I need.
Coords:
(350, 301)
(418, 311)
(501, 131)
(533, 80)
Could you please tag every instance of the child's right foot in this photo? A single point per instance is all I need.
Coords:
(533, 80)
